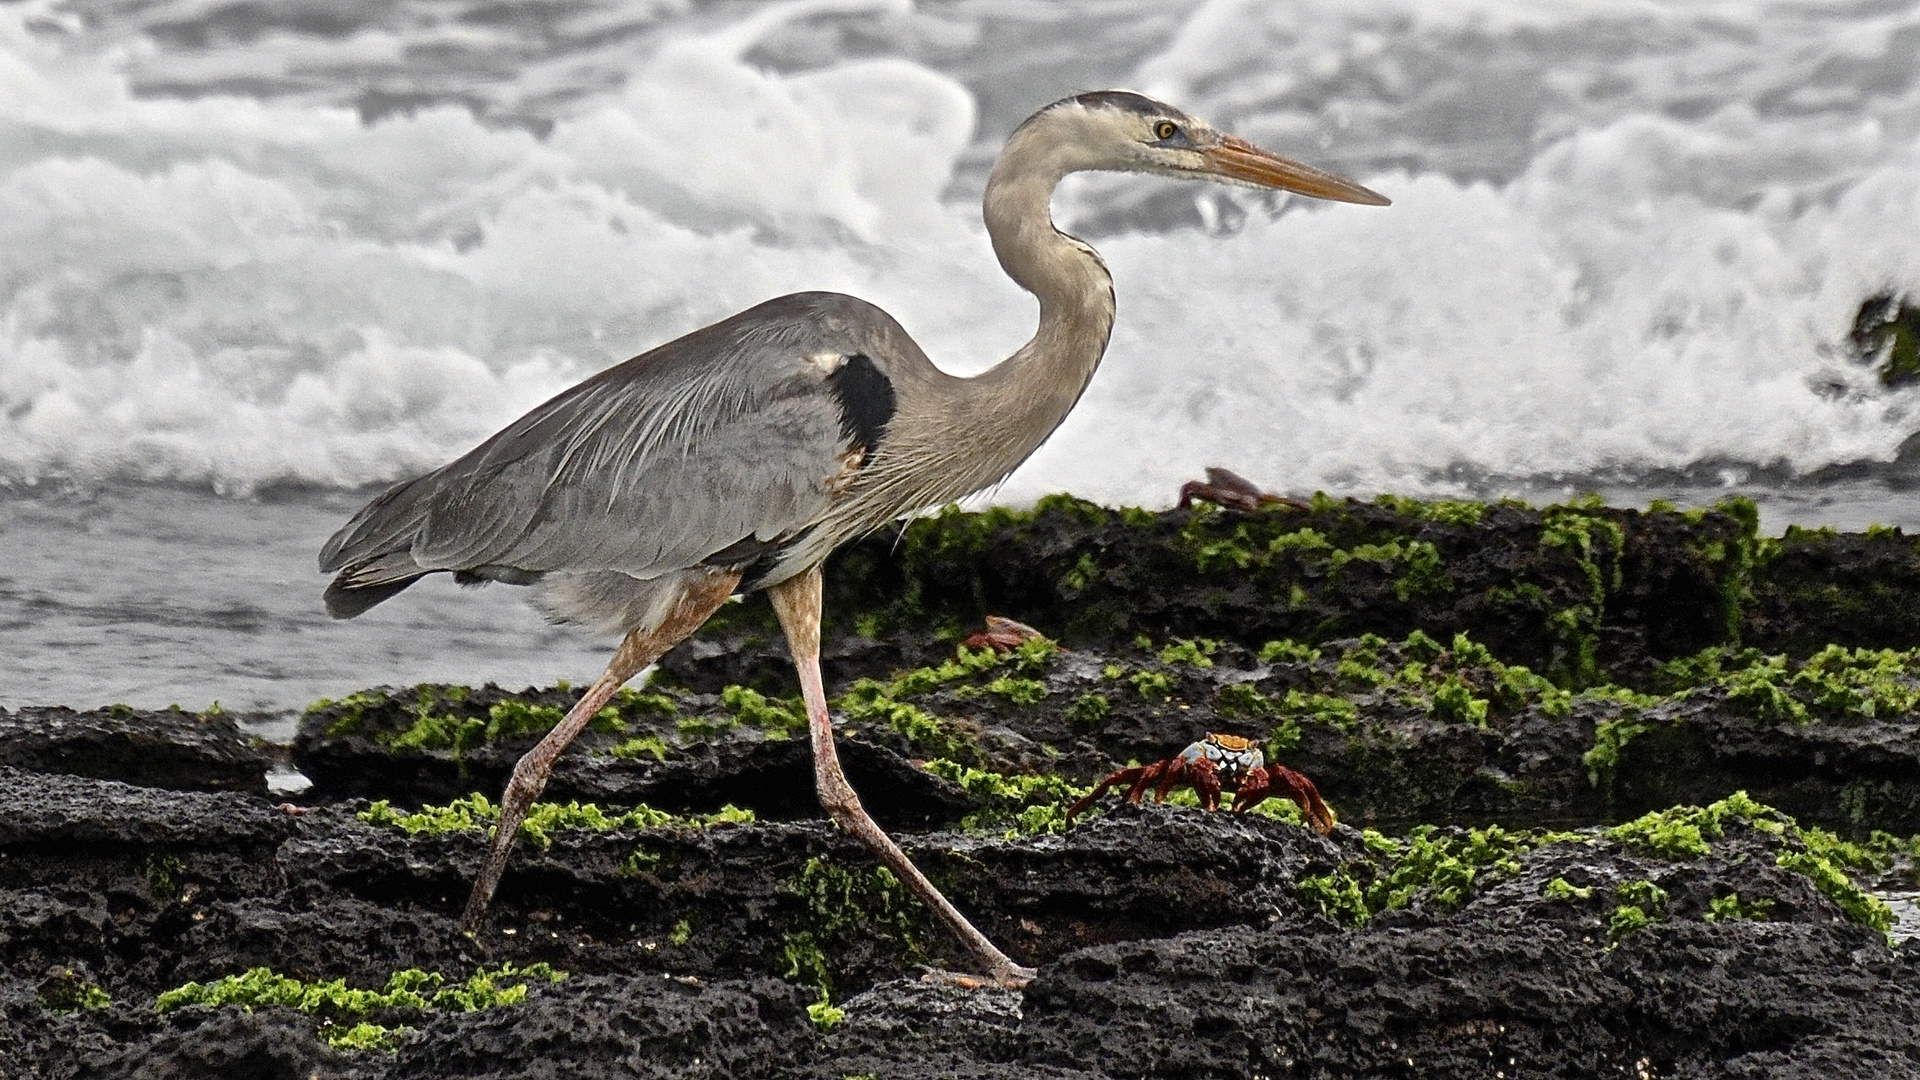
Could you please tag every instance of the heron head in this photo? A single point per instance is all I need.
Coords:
(1123, 131)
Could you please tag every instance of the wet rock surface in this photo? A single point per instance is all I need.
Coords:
(1393, 733)
(166, 748)
(1533, 730)
(1171, 942)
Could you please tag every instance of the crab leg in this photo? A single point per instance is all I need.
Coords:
(1124, 776)
(1271, 780)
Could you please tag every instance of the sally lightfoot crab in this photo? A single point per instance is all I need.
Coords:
(1209, 764)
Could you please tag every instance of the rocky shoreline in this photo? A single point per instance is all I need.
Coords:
(1622, 794)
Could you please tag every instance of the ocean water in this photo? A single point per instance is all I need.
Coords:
(256, 260)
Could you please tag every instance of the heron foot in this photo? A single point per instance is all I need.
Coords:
(1011, 977)
(1227, 488)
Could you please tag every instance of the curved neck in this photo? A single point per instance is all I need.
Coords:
(1027, 395)
(953, 436)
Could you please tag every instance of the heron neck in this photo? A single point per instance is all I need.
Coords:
(1026, 396)
(954, 436)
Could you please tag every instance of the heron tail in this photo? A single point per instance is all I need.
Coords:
(363, 585)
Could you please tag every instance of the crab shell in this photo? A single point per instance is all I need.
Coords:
(1232, 755)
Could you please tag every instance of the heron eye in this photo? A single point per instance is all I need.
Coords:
(1165, 129)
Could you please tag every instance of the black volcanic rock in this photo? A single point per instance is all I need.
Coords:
(1463, 940)
(165, 748)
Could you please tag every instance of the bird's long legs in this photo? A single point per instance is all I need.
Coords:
(797, 603)
(697, 600)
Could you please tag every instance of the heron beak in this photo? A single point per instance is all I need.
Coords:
(1238, 159)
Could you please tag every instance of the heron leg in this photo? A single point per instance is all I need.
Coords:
(698, 599)
(797, 603)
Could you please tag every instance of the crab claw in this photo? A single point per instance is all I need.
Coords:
(1202, 774)
(1271, 780)
(1003, 634)
(1227, 488)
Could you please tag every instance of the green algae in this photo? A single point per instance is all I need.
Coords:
(439, 718)
(1152, 685)
(1244, 701)
(1417, 562)
(1686, 832)
(702, 728)
(543, 819)
(1021, 804)
(778, 718)
(1033, 654)
(1288, 651)
(1314, 707)
(1084, 573)
(1562, 889)
(869, 701)
(163, 871)
(1460, 513)
(1642, 903)
(1090, 708)
(837, 903)
(1454, 703)
(1834, 685)
(638, 745)
(825, 1014)
(631, 704)
(1427, 866)
(1338, 895)
(66, 990)
(1019, 691)
(1195, 652)
(1441, 868)
(1416, 565)
(890, 705)
(928, 548)
(353, 710)
(1582, 528)
(336, 1003)
(1610, 739)
(1683, 831)
(1459, 682)
(965, 664)
(1730, 908)
(806, 962)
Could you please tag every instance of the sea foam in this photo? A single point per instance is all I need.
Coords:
(1578, 276)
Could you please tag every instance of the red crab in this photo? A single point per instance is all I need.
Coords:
(1002, 635)
(1227, 488)
(1204, 765)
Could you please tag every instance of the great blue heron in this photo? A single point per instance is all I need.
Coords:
(737, 457)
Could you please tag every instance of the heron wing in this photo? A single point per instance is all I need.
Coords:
(723, 440)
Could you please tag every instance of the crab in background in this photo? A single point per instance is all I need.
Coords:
(1215, 762)
(1003, 635)
(1224, 487)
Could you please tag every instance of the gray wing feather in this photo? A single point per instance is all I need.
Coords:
(648, 467)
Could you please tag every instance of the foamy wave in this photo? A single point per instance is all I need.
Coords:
(1531, 330)
(234, 291)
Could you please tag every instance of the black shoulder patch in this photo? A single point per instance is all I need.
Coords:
(866, 400)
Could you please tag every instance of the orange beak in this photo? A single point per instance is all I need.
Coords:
(1238, 159)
